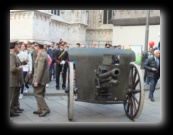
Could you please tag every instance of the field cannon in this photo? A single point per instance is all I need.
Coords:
(105, 76)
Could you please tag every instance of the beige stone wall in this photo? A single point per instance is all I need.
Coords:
(29, 25)
(99, 35)
(21, 25)
(77, 34)
(97, 31)
(74, 16)
(41, 25)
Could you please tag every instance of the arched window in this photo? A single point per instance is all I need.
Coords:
(55, 12)
(107, 15)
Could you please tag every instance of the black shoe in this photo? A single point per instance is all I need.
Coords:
(64, 87)
(57, 87)
(66, 90)
(44, 114)
(14, 114)
(152, 99)
(36, 112)
(20, 109)
(11, 121)
(75, 90)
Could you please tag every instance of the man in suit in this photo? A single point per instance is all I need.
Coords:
(40, 79)
(61, 58)
(152, 66)
(146, 55)
(15, 69)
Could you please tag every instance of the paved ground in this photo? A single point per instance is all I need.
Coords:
(84, 112)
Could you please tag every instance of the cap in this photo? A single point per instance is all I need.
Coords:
(61, 44)
(39, 43)
(28, 42)
(13, 43)
(19, 42)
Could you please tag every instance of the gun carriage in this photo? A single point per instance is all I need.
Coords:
(105, 76)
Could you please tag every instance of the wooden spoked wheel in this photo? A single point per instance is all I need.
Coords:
(135, 95)
(70, 92)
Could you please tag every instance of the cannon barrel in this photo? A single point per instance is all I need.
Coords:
(114, 72)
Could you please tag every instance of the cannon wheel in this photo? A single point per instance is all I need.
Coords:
(70, 93)
(133, 104)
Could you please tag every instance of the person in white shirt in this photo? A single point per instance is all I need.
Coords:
(27, 69)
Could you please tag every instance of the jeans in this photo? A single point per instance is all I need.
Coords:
(152, 82)
(51, 70)
(25, 84)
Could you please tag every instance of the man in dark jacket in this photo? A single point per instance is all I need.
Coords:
(145, 56)
(152, 66)
(51, 52)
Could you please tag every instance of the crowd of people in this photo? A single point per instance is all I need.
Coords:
(36, 65)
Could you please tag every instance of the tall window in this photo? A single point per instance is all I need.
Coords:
(55, 12)
(107, 15)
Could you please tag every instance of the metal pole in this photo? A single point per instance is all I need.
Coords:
(107, 17)
(147, 31)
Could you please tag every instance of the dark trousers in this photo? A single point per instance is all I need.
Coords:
(152, 82)
(142, 64)
(145, 75)
(58, 71)
(51, 70)
(25, 84)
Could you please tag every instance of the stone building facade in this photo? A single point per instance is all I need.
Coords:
(69, 25)
(83, 26)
